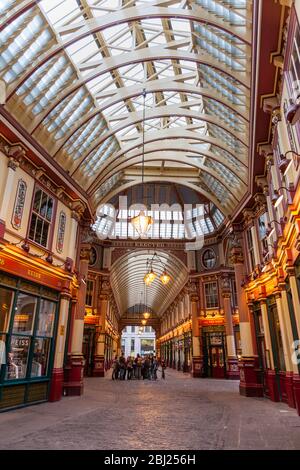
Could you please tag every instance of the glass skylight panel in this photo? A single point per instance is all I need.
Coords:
(6, 5)
(61, 12)
(225, 10)
(24, 48)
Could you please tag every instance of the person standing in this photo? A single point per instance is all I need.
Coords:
(139, 366)
(129, 368)
(115, 368)
(122, 366)
(163, 367)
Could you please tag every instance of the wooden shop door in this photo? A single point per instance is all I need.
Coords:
(217, 362)
(88, 348)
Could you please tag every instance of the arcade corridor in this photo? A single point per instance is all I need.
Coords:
(178, 413)
(150, 218)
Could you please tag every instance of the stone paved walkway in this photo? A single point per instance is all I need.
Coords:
(179, 413)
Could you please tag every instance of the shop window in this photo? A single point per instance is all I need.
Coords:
(211, 295)
(30, 337)
(132, 346)
(262, 230)
(89, 293)
(234, 300)
(250, 250)
(41, 217)
(6, 301)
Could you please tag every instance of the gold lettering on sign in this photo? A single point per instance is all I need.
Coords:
(2, 262)
(62, 330)
(34, 274)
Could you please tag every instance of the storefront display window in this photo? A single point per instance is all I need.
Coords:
(17, 359)
(46, 318)
(24, 314)
(27, 324)
(6, 298)
(40, 360)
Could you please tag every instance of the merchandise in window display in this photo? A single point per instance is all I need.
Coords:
(17, 357)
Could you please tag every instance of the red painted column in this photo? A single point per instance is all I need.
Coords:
(197, 361)
(232, 361)
(250, 374)
(74, 370)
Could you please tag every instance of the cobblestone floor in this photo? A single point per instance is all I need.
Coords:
(178, 413)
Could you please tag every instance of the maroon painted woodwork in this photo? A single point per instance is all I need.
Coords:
(272, 385)
(197, 370)
(233, 372)
(73, 373)
(290, 399)
(98, 369)
(250, 381)
(296, 387)
(56, 384)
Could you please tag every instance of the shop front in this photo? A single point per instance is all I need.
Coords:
(34, 316)
(214, 353)
(28, 324)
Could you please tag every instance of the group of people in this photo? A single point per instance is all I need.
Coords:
(136, 368)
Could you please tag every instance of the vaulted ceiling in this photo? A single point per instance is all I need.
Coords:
(76, 69)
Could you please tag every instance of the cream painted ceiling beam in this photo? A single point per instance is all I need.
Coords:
(168, 153)
(233, 193)
(159, 142)
(144, 55)
(188, 183)
(198, 14)
(116, 18)
(160, 112)
(114, 97)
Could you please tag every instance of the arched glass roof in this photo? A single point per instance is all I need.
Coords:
(75, 71)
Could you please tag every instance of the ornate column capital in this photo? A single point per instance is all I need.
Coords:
(12, 163)
(237, 255)
(85, 253)
(75, 216)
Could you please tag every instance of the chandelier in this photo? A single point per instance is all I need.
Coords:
(151, 275)
(142, 222)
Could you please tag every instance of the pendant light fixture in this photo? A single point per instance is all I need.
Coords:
(151, 275)
(142, 222)
(146, 314)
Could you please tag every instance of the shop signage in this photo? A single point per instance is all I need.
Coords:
(217, 321)
(21, 270)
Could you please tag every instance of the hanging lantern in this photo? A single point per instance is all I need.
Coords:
(142, 223)
(149, 277)
(144, 322)
(165, 278)
(146, 315)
